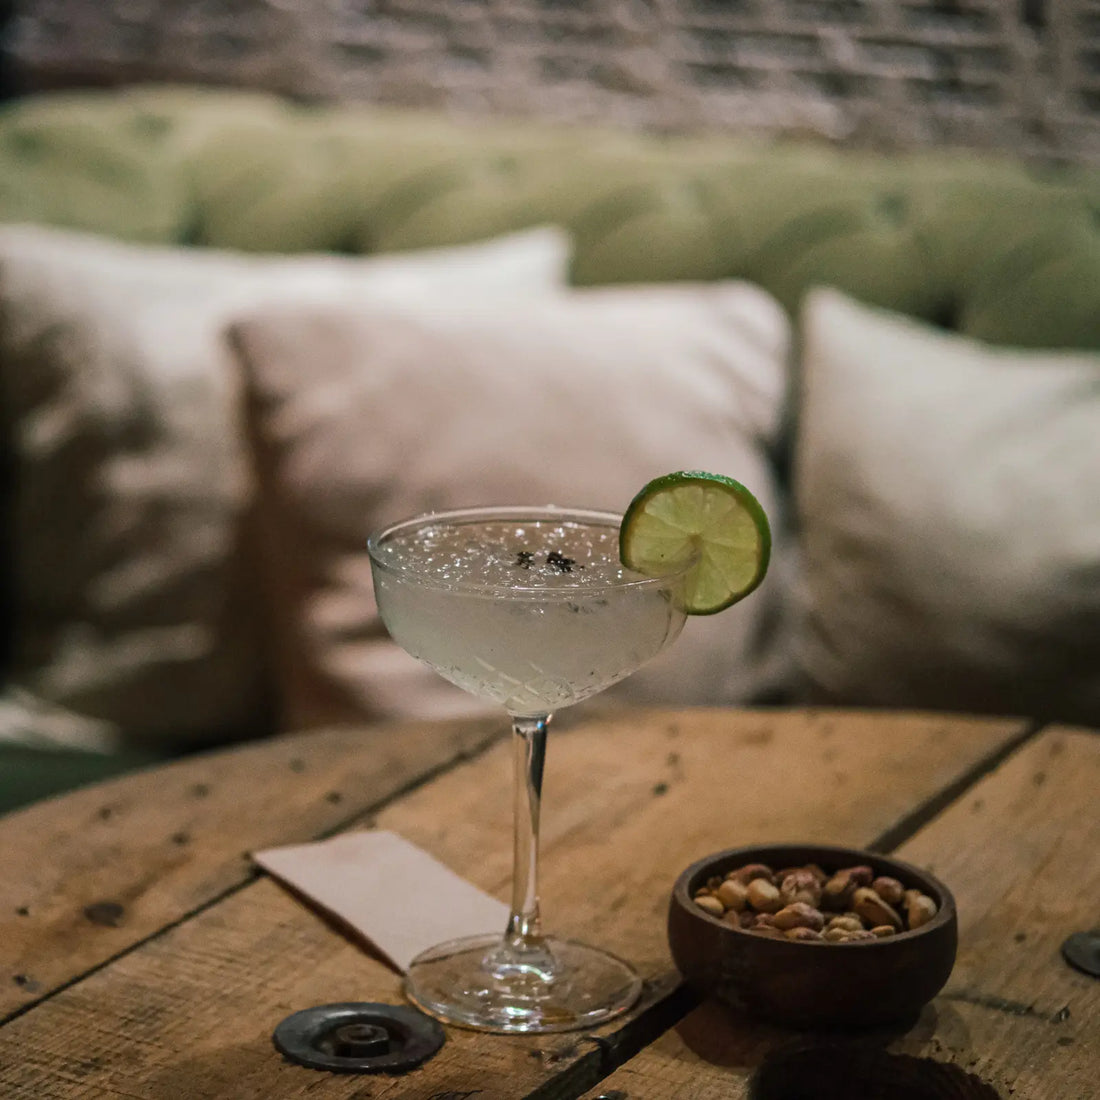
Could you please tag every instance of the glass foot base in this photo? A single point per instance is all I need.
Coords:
(564, 985)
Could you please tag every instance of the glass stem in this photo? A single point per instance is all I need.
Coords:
(524, 933)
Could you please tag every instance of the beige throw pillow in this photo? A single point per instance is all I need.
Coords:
(580, 399)
(948, 499)
(122, 412)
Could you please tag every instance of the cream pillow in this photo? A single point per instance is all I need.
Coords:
(133, 616)
(948, 501)
(580, 399)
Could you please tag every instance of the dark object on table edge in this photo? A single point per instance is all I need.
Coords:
(1082, 952)
(813, 985)
(359, 1037)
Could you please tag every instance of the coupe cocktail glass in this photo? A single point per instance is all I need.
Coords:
(531, 609)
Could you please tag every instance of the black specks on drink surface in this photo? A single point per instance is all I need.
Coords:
(555, 559)
(560, 562)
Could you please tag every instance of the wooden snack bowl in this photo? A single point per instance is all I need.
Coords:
(817, 984)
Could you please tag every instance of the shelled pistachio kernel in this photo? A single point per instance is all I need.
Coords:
(838, 889)
(845, 922)
(763, 896)
(803, 934)
(872, 910)
(768, 930)
(889, 889)
(799, 915)
(863, 936)
(919, 908)
(799, 885)
(733, 894)
(752, 871)
(709, 903)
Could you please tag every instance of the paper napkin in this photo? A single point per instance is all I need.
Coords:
(397, 896)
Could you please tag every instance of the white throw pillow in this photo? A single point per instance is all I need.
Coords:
(577, 400)
(122, 411)
(948, 501)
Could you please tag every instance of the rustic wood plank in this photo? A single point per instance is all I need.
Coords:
(628, 802)
(1020, 852)
(89, 874)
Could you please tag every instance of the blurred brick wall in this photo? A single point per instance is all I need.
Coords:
(1019, 75)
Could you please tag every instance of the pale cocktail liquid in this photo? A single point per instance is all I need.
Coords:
(531, 615)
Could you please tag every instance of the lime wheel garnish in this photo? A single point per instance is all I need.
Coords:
(710, 520)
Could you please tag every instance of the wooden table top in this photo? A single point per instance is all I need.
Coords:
(143, 956)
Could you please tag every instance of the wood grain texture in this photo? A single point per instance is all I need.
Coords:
(628, 803)
(1020, 853)
(89, 874)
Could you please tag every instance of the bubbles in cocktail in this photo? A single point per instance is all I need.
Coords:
(531, 554)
